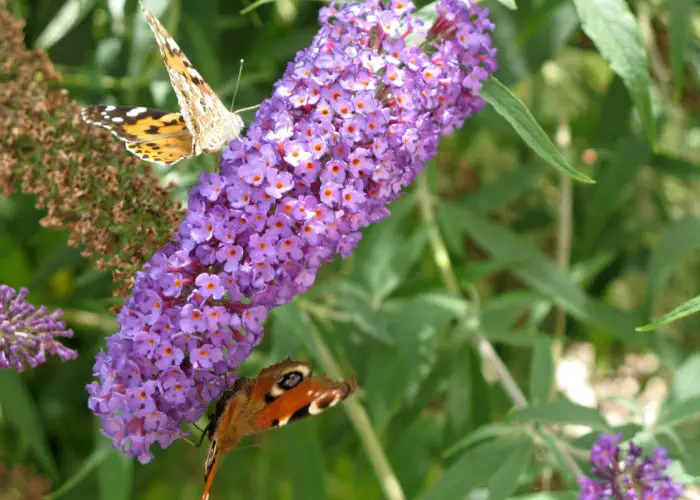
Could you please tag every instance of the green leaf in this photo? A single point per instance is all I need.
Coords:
(510, 4)
(678, 413)
(485, 432)
(367, 317)
(669, 165)
(291, 317)
(92, 462)
(505, 480)
(685, 309)
(415, 325)
(516, 113)
(71, 14)
(506, 188)
(307, 475)
(677, 239)
(562, 412)
(474, 469)
(680, 19)
(541, 371)
(540, 273)
(614, 188)
(116, 473)
(387, 255)
(22, 413)
(459, 397)
(614, 30)
(258, 3)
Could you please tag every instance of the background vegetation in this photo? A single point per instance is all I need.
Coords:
(490, 244)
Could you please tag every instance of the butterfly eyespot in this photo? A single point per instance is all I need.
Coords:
(290, 380)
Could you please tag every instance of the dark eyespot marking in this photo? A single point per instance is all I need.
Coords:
(153, 129)
(290, 380)
(269, 398)
(275, 423)
(300, 413)
(151, 144)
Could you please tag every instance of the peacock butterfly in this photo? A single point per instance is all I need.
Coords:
(280, 394)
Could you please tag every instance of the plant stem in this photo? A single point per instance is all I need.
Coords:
(564, 232)
(360, 421)
(483, 346)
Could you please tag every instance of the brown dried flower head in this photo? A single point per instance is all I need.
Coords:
(21, 483)
(110, 202)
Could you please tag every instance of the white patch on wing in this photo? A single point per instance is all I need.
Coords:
(136, 111)
(110, 108)
(117, 119)
(315, 409)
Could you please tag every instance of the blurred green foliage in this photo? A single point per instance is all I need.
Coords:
(490, 243)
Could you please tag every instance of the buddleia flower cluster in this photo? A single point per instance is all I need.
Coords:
(627, 476)
(28, 334)
(351, 123)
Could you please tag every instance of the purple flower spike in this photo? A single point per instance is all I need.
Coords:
(28, 334)
(350, 125)
(631, 477)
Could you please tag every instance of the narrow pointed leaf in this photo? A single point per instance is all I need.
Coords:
(21, 411)
(562, 412)
(686, 309)
(514, 111)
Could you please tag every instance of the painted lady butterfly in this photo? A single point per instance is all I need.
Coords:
(203, 125)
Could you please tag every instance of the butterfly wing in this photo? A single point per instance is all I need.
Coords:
(151, 134)
(135, 124)
(166, 151)
(204, 113)
(310, 397)
(280, 394)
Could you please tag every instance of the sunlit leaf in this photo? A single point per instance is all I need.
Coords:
(71, 14)
(677, 413)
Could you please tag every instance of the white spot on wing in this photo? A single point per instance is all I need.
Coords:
(110, 108)
(136, 111)
(117, 119)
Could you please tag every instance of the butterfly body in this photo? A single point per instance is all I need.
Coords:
(203, 125)
(280, 394)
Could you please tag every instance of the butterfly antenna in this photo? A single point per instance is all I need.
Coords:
(238, 81)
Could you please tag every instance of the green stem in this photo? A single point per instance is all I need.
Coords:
(483, 346)
(564, 233)
(360, 421)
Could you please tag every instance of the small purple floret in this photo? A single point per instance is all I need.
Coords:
(350, 125)
(627, 476)
(28, 334)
